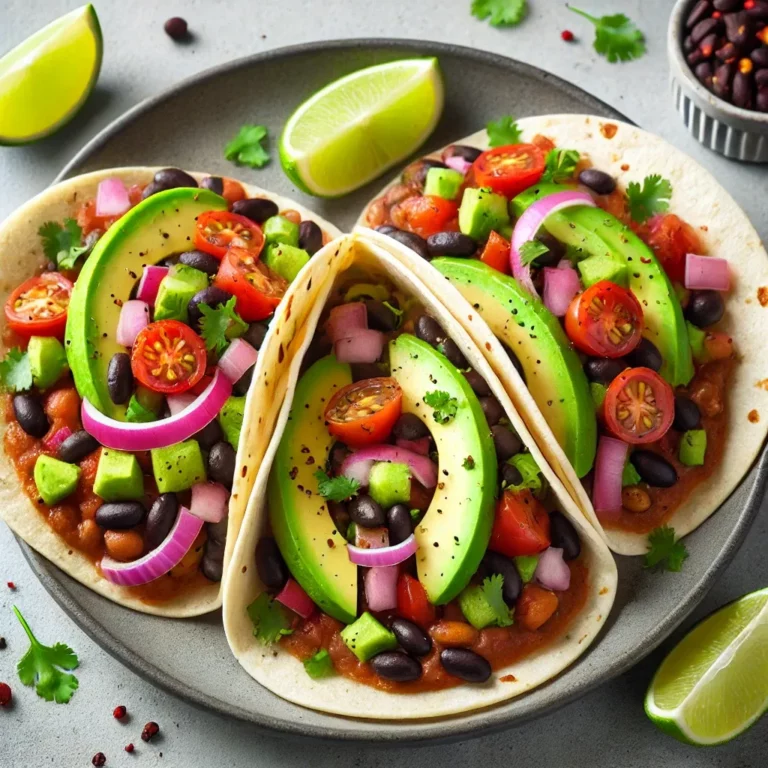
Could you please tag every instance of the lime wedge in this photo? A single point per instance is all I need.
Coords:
(714, 683)
(46, 79)
(355, 128)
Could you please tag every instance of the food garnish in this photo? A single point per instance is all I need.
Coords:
(664, 550)
(247, 147)
(445, 406)
(336, 488)
(652, 198)
(560, 165)
(220, 324)
(504, 131)
(531, 250)
(62, 243)
(500, 13)
(15, 371)
(616, 37)
(270, 619)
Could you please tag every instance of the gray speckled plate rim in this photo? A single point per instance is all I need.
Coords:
(451, 729)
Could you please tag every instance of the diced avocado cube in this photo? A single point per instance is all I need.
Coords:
(389, 483)
(286, 260)
(178, 467)
(136, 413)
(278, 229)
(55, 479)
(526, 566)
(630, 475)
(506, 231)
(366, 291)
(696, 339)
(366, 637)
(443, 182)
(526, 465)
(320, 665)
(597, 390)
(176, 289)
(47, 360)
(595, 268)
(693, 447)
(231, 419)
(482, 211)
(476, 608)
(118, 477)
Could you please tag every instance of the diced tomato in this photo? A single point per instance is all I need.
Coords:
(424, 215)
(38, 307)
(535, 607)
(232, 190)
(521, 525)
(217, 231)
(672, 238)
(412, 601)
(510, 169)
(496, 253)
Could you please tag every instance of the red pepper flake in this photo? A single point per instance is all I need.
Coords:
(99, 759)
(567, 35)
(129, 748)
(151, 729)
(5, 694)
(717, 15)
(11, 586)
(119, 712)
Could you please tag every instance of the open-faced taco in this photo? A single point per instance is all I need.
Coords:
(404, 535)
(136, 300)
(619, 293)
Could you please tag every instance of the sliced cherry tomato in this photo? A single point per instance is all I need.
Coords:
(496, 253)
(672, 238)
(168, 357)
(232, 190)
(38, 307)
(510, 169)
(424, 215)
(521, 525)
(535, 607)
(639, 406)
(216, 231)
(606, 320)
(412, 601)
(89, 221)
(364, 412)
(257, 288)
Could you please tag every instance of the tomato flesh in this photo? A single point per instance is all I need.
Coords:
(412, 601)
(510, 169)
(168, 357)
(521, 525)
(216, 231)
(38, 307)
(425, 215)
(364, 412)
(496, 253)
(639, 406)
(535, 607)
(672, 238)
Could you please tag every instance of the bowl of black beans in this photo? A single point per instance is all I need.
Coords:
(718, 54)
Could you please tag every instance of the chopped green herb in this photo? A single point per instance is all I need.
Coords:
(136, 413)
(15, 371)
(629, 476)
(219, 325)
(246, 148)
(652, 198)
(560, 165)
(528, 468)
(336, 488)
(664, 550)
(469, 463)
(416, 515)
(445, 406)
(530, 250)
(504, 131)
(492, 589)
(271, 620)
(500, 13)
(62, 244)
(320, 665)
(616, 37)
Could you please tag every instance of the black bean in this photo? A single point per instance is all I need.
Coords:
(451, 244)
(120, 378)
(396, 666)
(120, 514)
(451, 350)
(761, 78)
(687, 414)
(759, 57)
(212, 564)
(336, 457)
(172, 178)
(598, 181)
(429, 330)
(386, 229)
(510, 475)
(151, 189)
(380, 316)
(400, 523)
(209, 435)
(176, 28)
(762, 97)
(213, 296)
(743, 91)
(645, 355)
(707, 45)
(703, 28)
(410, 427)
(470, 154)
(726, 5)
(416, 172)
(695, 57)
(739, 28)
(699, 12)
(563, 535)
(202, 261)
(362, 371)
(688, 44)
(555, 251)
(218, 531)
(77, 446)
(478, 383)
(339, 514)
(759, 11)
(705, 308)
(412, 638)
(162, 515)
(654, 469)
(513, 584)
(412, 241)
(721, 81)
(366, 512)
(507, 443)
(30, 415)
(726, 52)
(310, 237)
(515, 361)
(243, 384)
(270, 565)
(465, 664)
(492, 410)
(257, 209)
(603, 370)
(221, 464)
(255, 334)
(214, 183)
(704, 72)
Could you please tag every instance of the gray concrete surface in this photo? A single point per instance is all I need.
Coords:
(607, 728)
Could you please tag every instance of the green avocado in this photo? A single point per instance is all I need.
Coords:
(118, 477)
(176, 289)
(454, 533)
(367, 636)
(553, 372)
(596, 268)
(231, 419)
(178, 467)
(482, 211)
(47, 360)
(389, 483)
(286, 260)
(158, 227)
(55, 479)
(443, 182)
(593, 232)
(278, 229)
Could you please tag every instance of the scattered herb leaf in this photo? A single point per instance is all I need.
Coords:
(247, 148)
(492, 589)
(531, 250)
(444, 406)
(652, 198)
(62, 244)
(629, 475)
(500, 13)
(220, 324)
(270, 619)
(15, 371)
(560, 165)
(336, 488)
(504, 131)
(664, 550)
(616, 37)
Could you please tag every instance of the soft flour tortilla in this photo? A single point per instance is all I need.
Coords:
(20, 256)
(282, 673)
(630, 154)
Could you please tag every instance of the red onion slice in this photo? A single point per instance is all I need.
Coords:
(238, 358)
(149, 284)
(346, 320)
(364, 347)
(420, 445)
(112, 198)
(422, 467)
(383, 556)
(177, 403)
(53, 442)
(561, 284)
(371, 538)
(460, 164)
(552, 572)
(609, 468)
(134, 318)
(210, 502)
(294, 597)
(381, 588)
(706, 273)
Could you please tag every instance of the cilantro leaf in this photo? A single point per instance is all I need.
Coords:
(247, 148)
(616, 37)
(445, 406)
(41, 666)
(531, 250)
(220, 324)
(629, 475)
(320, 665)
(652, 198)
(500, 13)
(270, 619)
(15, 371)
(504, 131)
(62, 244)
(491, 589)
(560, 165)
(336, 488)
(664, 550)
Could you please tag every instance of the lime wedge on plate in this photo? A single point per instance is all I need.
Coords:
(355, 128)
(46, 79)
(714, 683)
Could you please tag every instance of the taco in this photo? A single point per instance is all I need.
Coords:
(404, 535)
(135, 304)
(618, 292)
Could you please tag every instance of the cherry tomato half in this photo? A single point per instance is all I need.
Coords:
(38, 307)
(425, 215)
(510, 169)
(521, 525)
(364, 412)
(168, 357)
(412, 601)
(606, 320)
(639, 406)
(496, 253)
(216, 231)
(672, 238)
(257, 288)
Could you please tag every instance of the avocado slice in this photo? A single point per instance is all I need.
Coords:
(454, 532)
(595, 232)
(553, 372)
(316, 553)
(158, 227)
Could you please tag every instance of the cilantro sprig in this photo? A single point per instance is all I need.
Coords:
(220, 324)
(500, 13)
(270, 619)
(616, 37)
(15, 371)
(62, 244)
(41, 666)
(247, 147)
(560, 165)
(652, 198)
(504, 131)
(492, 589)
(531, 250)
(444, 406)
(665, 550)
(336, 488)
